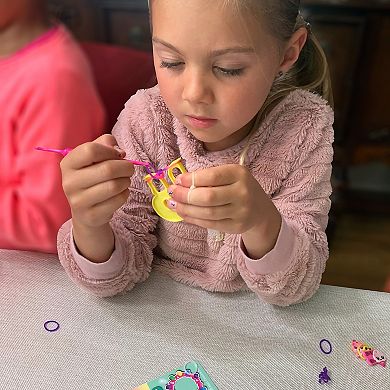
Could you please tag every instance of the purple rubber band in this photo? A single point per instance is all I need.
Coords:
(47, 323)
(330, 347)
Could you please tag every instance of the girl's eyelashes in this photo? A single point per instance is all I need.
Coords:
(224, 71)
(230, 72)
(170, 65)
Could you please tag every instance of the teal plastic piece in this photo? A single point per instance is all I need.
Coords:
(187, 377)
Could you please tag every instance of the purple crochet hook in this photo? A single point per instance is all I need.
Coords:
(156, 174)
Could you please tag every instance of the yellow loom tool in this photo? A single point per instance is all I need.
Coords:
(160, 198)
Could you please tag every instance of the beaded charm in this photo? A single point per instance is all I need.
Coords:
(190, 377)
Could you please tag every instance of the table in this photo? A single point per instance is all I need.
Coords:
(120, 342)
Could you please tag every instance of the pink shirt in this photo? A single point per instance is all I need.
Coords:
(47, 98)
(290, 155)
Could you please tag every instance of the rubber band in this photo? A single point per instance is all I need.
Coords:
(191, 188)
(326, 352)
(49, 328)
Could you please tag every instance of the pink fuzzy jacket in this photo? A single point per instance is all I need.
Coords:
(290, 155)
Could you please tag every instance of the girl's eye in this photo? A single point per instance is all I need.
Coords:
(170, 65)
(223, 71)
(230, 72)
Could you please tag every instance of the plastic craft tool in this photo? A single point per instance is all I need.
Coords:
(190, 377)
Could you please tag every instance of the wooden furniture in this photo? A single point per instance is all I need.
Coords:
(387, 286)
(120, 22)
(359, 252)
(355, 35)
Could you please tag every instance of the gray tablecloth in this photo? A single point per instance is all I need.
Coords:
(118, 343)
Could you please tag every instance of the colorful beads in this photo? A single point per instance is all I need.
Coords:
(195, 377)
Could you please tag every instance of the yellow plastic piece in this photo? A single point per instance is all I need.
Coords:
(142, 387)
(362, 349)
(161, 197)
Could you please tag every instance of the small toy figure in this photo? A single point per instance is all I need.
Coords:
(355, 346)
(374, 357)
(323, 377)
(359, 347)
(365, 352)
(364, 348)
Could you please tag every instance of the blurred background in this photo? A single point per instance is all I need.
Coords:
(355, 35)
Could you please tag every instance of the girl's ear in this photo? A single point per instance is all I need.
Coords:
(293, 49)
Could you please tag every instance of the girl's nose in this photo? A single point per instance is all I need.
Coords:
(196, 89)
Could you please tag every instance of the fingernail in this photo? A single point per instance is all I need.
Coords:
(170, 191)
(171, 204)
(178, 180)
(121, 153)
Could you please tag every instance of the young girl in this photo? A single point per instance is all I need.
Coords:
(47, 97)
(241, 98)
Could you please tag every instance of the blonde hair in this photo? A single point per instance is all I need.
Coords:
(310, 72)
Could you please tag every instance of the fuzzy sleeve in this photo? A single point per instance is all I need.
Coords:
(133, 224)
(291, 272)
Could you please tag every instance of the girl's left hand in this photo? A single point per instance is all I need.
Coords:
(225, 198)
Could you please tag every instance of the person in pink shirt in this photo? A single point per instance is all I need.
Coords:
(47, 97)
(244, 98)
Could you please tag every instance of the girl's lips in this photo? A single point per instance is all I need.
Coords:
(201, 123)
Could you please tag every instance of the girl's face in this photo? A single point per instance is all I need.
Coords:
(214, 68)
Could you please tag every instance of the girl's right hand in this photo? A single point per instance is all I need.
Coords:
(95, 179)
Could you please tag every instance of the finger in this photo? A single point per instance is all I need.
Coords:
(102, 172)
(102, 212)
(109, 140)
(99, 193)
(89, 153)
(106, 139)
(211, 177)
(203, 196)
(205, 213)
